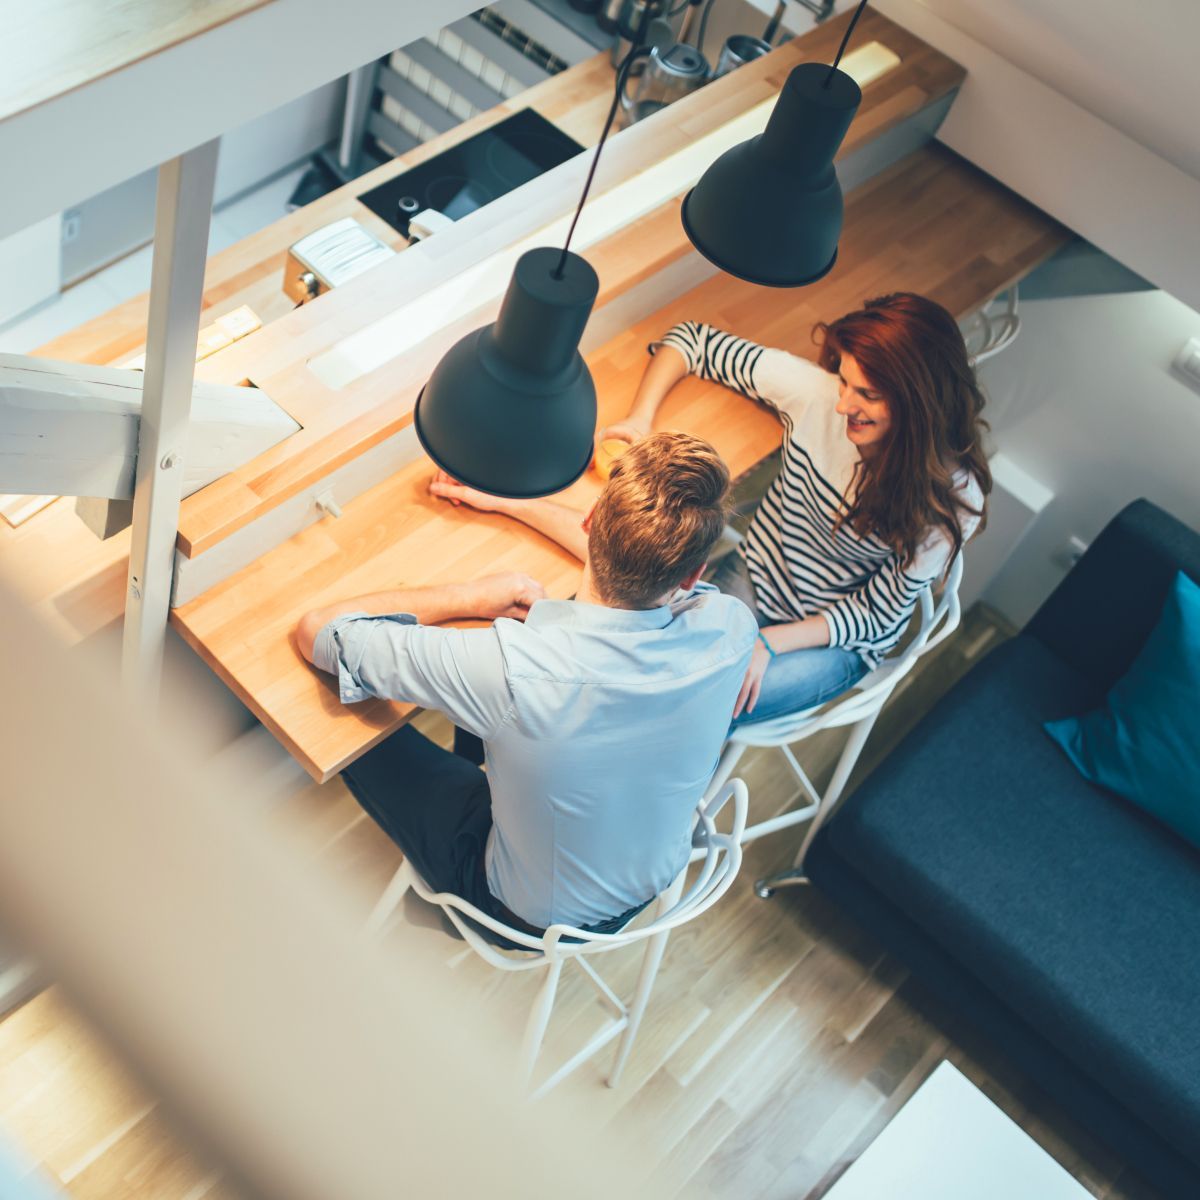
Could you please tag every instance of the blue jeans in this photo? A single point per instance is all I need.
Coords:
(795, 681)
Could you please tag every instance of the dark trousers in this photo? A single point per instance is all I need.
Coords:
(437, 808)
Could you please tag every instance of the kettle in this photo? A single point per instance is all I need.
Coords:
(668, 75)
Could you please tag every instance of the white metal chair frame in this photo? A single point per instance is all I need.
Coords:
(858, 709)
(720, 855)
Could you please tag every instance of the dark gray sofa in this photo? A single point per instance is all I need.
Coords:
(1058, 917)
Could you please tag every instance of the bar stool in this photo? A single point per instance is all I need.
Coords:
(720, 857)
(858, 709)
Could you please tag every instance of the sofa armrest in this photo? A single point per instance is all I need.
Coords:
(1099, 617)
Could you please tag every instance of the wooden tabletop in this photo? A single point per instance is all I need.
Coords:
(931, 224)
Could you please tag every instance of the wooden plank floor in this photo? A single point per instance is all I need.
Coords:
(780, 1039)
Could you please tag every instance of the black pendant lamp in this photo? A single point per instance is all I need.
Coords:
(511, 407)
(770, 209)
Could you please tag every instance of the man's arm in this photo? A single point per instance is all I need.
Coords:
(782, 382)
(505, 595)
(558, 522)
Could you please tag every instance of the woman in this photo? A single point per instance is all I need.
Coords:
(883, 480)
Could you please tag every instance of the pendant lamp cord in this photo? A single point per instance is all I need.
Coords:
(636, 50)
(842, 47)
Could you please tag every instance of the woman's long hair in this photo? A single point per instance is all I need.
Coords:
(913, 354)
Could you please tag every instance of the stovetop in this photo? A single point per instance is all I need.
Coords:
(474, 172)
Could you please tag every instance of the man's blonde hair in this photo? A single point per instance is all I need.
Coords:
(656, 521)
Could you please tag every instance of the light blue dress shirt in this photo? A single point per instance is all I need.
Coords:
(602, 728)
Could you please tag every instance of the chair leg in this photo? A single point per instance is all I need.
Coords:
(388, 902)
(765, 888)
(539, 1018)
(651, 959)
(730, 757)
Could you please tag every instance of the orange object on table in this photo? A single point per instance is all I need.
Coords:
(607, 453)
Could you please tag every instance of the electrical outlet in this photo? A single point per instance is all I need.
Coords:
(1070, 552)
(72, 225)
(1187, 363)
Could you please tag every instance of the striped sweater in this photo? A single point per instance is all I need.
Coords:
(798, 563)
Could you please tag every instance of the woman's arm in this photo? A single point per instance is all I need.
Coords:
(556, 521)
(779, 380)
(662, 373)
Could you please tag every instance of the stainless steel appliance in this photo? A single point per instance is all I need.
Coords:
(329, 256)
(669, 74)
(738, 50)
(626, 20)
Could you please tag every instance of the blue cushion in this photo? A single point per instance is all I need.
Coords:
(1144, 742)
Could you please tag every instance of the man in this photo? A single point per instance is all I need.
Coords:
(602, 717)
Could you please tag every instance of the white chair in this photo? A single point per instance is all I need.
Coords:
(720, 856)
(859, 708)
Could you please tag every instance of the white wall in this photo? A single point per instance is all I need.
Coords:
(30, 264)
(1111, 183)
(1132, 63)
(1085, 401)
(260, 148)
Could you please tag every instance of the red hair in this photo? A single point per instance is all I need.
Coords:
(912, 352)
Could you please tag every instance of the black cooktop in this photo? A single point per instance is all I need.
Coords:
(476, 171)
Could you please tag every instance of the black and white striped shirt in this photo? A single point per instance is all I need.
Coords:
(798, 563)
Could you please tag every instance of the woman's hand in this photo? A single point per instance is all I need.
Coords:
(508, 594)
(752, 685)
(446, 487)
(629, 430)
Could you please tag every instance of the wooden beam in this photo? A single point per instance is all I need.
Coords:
(72, 430)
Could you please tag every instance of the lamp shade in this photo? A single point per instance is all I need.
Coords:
(770, 209)
(511, 408)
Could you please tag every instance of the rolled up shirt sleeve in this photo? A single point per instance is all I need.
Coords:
(457, 671)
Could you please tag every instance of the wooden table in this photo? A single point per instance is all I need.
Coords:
(931, 224)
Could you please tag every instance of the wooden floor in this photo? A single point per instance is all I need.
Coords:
(779, 1041)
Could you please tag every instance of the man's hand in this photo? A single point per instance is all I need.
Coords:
(752, 684)
(446, 487)
(508, 594)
